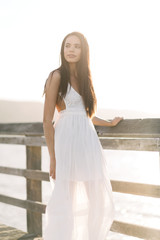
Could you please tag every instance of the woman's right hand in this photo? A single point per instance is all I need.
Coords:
(52, 171)
(116, 120)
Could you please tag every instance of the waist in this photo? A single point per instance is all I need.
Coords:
(72, 112)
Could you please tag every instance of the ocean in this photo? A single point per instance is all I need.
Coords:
(142, 167)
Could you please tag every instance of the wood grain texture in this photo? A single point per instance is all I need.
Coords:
(34, 189)
(23, 140)
(11, 233)
(27, 173)
(140, 189)
(36, 206)
(136, 230)
(149, 127)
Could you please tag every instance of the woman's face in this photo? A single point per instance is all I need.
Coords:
(72, 49)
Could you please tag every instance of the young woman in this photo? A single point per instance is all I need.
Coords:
(81, 203)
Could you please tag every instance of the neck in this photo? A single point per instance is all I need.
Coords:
(72, 67)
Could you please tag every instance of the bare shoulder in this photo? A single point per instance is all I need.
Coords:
(56, 74)
(54, 78)
(51, 91)
(53, 81)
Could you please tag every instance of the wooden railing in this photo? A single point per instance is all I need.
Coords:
(137, 134)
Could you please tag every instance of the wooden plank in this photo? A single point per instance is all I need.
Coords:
(133, 127)
(27, 173)
(129, 127)
(34, 190)
(11, 233)
(27, 204)
(31, 128)
(29, 141)
(37, 175)
(12, 171)
(135, 230)
(138, 144)
(117, 186)
(136, 188)
(144, 144)
(126, 135)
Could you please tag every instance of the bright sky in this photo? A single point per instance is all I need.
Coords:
(123, 36)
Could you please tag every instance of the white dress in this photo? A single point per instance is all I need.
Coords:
(81, 204)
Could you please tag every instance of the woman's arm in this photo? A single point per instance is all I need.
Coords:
(101, 122)
(51, 92)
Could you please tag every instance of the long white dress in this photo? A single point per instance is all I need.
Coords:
(81, 204)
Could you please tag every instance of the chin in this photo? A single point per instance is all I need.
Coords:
(72, 61)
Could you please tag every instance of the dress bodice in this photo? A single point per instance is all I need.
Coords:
(73, 100)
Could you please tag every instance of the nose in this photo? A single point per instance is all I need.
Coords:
(71, 49)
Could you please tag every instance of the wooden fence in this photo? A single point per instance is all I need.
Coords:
(131, 134)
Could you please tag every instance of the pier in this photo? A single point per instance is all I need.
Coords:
(11, 233)
(130, 134)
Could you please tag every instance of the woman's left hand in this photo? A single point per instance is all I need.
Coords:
(116, 120)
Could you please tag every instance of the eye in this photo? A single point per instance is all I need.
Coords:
(67, 45)
(77, 46)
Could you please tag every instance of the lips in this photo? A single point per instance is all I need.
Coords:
(71, 55)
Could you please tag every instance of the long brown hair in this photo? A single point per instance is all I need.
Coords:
(84, 82)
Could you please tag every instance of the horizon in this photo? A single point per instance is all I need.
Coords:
(32, 111)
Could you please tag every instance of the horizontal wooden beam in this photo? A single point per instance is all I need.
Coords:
(23, 140)
(140, 189)
(137, 144)
(143, 144)
(27, 204)
(129, 127)
(28, 128)
(133, 128)
(135, 230)
(117, 186)
(28, 173)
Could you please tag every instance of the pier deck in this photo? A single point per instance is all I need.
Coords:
(10, 233)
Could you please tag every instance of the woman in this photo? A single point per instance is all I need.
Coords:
(81, 204)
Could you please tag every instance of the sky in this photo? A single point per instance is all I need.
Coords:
(123, 37)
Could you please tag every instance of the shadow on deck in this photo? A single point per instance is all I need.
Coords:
(10, 233)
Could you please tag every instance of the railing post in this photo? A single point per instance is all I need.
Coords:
(34, 189)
